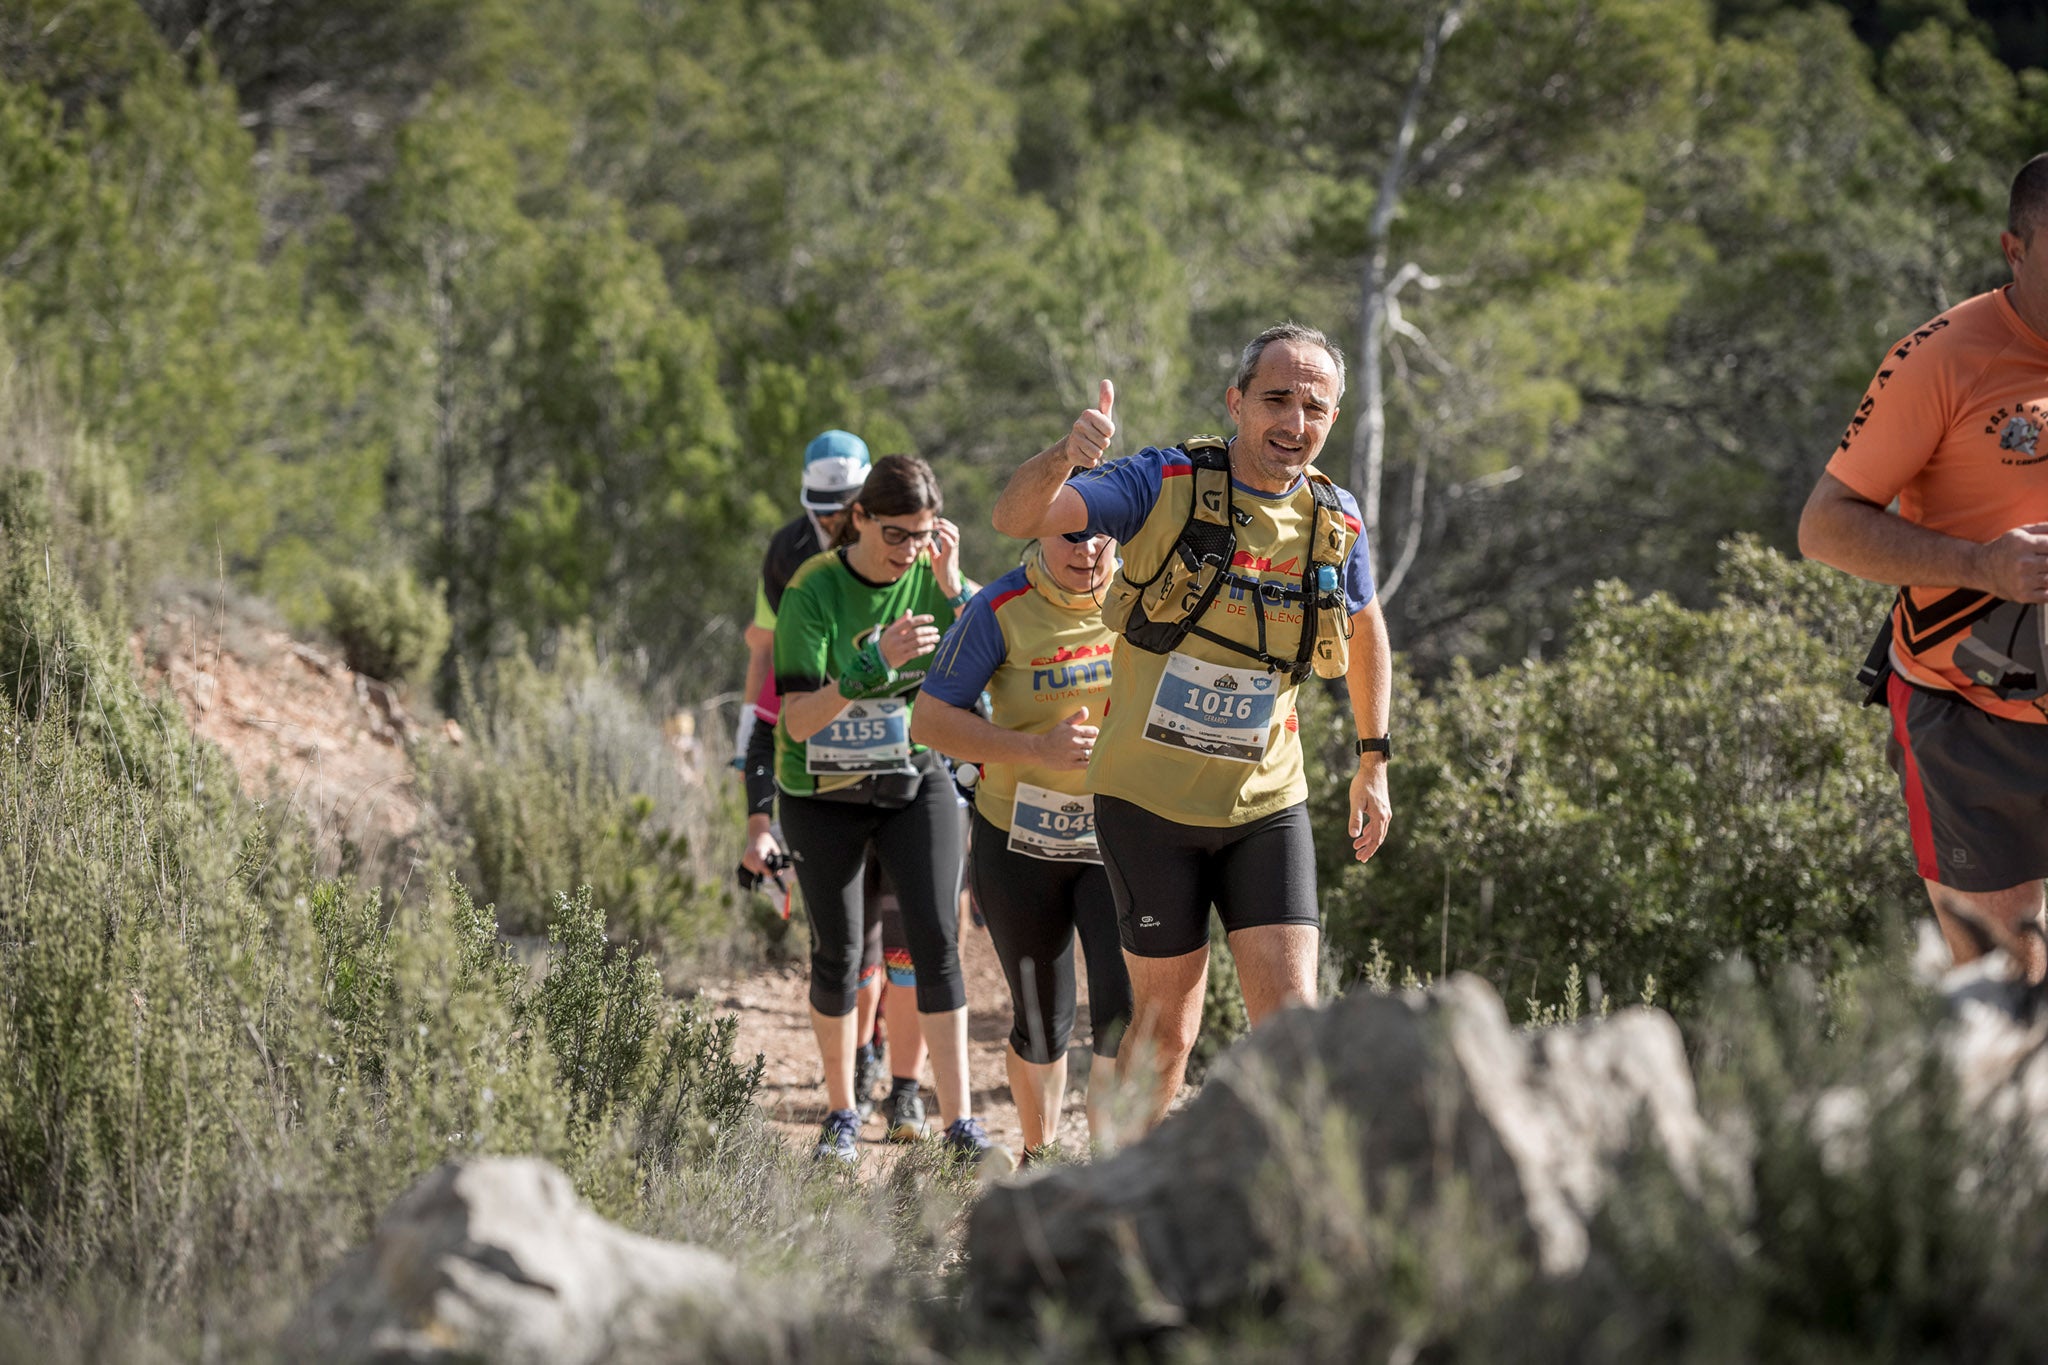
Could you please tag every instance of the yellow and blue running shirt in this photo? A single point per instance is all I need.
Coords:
(1041, 653)
(1143, 501)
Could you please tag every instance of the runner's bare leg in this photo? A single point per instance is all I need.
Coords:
(1166, 1017)
(945, 1033)
(836, 1044)
(1038, 1088)
(1975, 922)
(1276, 967)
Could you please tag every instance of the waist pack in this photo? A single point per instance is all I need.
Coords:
(890, 791)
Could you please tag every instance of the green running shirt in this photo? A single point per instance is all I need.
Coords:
(828, 613)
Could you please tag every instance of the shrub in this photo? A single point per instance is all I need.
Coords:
(215, 1070)
(389, 626)
(1675, 788)
(568, 781)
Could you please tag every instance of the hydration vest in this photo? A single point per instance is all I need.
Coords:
(1158, 612)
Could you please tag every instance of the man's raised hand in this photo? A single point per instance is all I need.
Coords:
(1093, 430)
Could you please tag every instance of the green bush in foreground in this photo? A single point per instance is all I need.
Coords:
(215, 1067)
(567, 780)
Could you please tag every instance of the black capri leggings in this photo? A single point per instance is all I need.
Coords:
(919, 847)
(1034, 907)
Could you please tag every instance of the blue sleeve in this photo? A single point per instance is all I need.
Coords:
(1358, 584)
(1120, 493)
(968, 657)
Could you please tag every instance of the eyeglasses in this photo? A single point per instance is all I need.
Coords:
(903, 535)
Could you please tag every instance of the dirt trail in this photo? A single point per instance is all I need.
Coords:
(774, 1020)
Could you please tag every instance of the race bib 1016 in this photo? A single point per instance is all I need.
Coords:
(1212, 710)
(1053, 825)
(865, 737)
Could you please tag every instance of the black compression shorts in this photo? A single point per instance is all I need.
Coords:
(1166, 875)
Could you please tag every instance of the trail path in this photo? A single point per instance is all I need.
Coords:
(774, 1020)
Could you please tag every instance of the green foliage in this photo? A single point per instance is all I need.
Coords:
(389, 625)
(568, 781)
(1675, 788)
(219, 1068)
(598, 1008)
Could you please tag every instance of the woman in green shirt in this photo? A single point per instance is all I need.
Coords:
(853, 639)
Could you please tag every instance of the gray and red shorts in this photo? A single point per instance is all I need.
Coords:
(1976, 789)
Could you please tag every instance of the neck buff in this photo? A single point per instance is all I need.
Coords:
(1041, 578)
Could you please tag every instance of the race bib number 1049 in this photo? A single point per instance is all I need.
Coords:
(1212, 710)
(1053, 825)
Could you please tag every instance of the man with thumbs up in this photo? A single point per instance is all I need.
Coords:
(1244, 571)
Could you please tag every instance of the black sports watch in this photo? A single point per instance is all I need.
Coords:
(1383, 746)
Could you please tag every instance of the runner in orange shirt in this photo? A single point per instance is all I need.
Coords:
(1952, 427)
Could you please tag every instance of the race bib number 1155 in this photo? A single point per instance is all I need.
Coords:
(865, 737)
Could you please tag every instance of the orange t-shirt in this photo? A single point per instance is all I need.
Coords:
(1953, 427)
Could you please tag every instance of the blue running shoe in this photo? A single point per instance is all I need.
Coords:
(836, 1140)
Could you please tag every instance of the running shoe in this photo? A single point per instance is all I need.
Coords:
(837, 1140)
(904, 1113)
(968, 1142)
(867, 1066)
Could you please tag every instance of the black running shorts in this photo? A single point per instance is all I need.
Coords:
(1166, 875)
(1976, 790)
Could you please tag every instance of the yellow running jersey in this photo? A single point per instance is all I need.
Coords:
(1041, 653)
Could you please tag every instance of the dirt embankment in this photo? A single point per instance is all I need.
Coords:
(296, 722)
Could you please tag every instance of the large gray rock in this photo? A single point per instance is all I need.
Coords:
(1400, 1097)
(499, 1260)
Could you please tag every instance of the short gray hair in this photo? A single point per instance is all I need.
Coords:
(1248, 363)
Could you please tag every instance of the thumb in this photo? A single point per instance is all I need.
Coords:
(1107, 398)
(1080, 717)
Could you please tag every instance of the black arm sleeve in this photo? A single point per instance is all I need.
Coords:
(759, 772)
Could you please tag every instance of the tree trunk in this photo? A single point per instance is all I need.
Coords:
(1369, 438)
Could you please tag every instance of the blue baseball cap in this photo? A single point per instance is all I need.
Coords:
(835, 466)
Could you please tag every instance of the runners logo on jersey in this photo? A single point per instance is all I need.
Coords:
(1062, 677)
